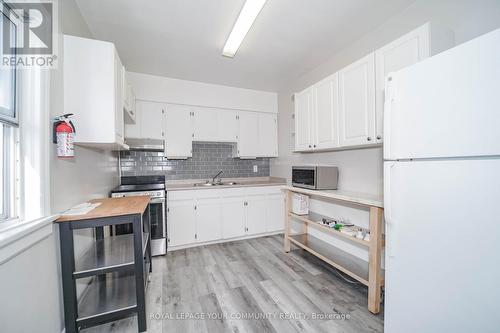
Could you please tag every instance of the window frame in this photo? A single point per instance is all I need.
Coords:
(4, 118)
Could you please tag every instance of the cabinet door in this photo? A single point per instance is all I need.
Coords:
(179, 132)
(233, 217)
(181, 222)
(268, 135)
(404, 51)
(275, 213)
(205, 124)
(208, 220)
(256, 214)
(119, 96)
(357, 102)
(248, 145)
(153, 120)
(303, 119)
(227, 126)
(326, 113)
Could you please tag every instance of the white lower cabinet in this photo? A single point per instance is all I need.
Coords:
(275, 213)
(200, 216)
(233, 217)
(208, 220)
(256, 207)
(181, 222)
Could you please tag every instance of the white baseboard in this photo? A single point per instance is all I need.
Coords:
(218, 241)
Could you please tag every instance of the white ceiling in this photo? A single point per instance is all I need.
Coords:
(184, 38)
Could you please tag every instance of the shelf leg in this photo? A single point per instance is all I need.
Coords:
(374, 273)
(139, 274)
(68, 283)
(288, 205)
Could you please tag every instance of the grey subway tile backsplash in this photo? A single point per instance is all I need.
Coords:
(207, 160)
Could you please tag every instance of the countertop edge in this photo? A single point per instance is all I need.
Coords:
(347, 196)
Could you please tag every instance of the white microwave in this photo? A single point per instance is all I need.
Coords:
(315, 177)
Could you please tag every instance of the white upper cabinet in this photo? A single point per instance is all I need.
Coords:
(346, 109)
(93, 92)
(150, 122)
(357, 102)
(268, 138)
(215, 125)
(326, 99)
(178, 132)
(153, 120)
(407, 50)
(205, 125)
(316, 116)
(303, 119)
(248, 137)
(227, 126)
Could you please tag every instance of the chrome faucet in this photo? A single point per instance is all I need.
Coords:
(217, 176)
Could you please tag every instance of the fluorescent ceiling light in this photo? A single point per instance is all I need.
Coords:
(248, 14)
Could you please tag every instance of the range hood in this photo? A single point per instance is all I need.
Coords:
(146, 144)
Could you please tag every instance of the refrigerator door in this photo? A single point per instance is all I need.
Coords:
(442, 263)
(447, 105)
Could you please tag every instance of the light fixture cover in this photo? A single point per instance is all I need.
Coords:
(248, 14)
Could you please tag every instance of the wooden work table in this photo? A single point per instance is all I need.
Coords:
(118, 265)
(110, 207)
(369, 274)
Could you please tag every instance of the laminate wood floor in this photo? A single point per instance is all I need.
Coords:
(249, 286)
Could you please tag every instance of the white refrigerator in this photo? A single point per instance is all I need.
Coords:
(442, 192)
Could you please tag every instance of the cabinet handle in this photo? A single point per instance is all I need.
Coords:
(309, 146)
(162, 134)
(314, 146)
(369, 138)
(195, 236)
(379, 137)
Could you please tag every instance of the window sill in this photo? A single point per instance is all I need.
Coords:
(16, 236)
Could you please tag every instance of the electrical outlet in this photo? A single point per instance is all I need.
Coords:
(255, 168)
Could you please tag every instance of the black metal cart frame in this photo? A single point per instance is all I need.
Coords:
(141, 259)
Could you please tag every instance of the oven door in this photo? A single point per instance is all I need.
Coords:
(157, 218)
(304, 177)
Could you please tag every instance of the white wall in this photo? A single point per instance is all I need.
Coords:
(30, 286)
(167, 90)
(361, 170)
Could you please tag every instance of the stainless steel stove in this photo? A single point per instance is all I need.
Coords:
(153, 186)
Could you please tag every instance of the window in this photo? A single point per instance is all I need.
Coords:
(7, 172)
(8, 110)
(8, 127)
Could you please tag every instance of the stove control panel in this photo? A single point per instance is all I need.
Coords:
(152, 194)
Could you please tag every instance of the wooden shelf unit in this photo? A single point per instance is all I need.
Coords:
(368, 273)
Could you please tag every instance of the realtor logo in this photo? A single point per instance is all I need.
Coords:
(29, 33)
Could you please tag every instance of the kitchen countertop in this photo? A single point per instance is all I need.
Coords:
(111, 207)
(179, 185)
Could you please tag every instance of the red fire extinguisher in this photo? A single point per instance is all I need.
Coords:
(64, 135)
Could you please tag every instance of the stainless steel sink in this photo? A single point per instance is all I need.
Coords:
(205, 184)
(215, 184)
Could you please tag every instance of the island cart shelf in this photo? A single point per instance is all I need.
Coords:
(118, 266)
(369, 274)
